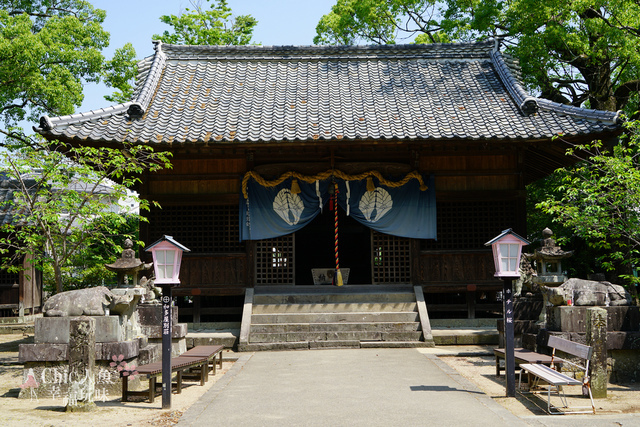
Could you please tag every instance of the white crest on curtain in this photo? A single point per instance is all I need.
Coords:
(375, 204)
(288, 206)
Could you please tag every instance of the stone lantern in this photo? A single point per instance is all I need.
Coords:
(548, 260)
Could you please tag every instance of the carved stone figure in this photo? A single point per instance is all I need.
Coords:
(587, 293)
(98, 301)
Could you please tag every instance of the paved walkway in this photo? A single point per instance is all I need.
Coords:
(363, 387)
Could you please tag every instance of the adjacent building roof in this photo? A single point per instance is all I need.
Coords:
(261, 94)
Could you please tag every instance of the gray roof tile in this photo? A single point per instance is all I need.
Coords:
(236, 94)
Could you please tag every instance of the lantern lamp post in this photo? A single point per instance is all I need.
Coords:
(167, 256)
(507, 251)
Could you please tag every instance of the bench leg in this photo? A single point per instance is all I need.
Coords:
(152, 389)
(125, 388)
(179, 381)
(497, 366)
(204, 372)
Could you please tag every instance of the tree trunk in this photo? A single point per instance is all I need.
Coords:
(58, 275)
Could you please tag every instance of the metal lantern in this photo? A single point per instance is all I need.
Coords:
(167, 256)
(507, 251)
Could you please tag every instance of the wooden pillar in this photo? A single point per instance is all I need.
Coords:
(597, 338)
(197, 305)
(471, 301)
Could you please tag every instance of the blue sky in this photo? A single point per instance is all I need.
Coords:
(280, 22)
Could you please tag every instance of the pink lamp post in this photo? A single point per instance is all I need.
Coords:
(507, 251)
(167, 256)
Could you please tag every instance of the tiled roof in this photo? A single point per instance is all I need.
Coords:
(258, 94)
(8, 187)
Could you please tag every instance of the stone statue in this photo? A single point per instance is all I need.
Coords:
(98, 301)
(587, 293)
(153, 293)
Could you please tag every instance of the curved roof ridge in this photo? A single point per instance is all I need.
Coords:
(527, 104)
(140, 104)
(48, 123)
(433, 49)
(134, 108)
(570, 110)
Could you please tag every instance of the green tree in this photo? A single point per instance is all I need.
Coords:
(48, 49)
(65, 197)
(208, 27)
(599, 197)
(86, 268)
(582, 52)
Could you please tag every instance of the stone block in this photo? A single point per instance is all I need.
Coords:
(179, 330)
(129, 349)
(151, 315)
(55, 330)
(149, 354)
(42, 352)
(178, 345)
(53, 380)
(572, 318)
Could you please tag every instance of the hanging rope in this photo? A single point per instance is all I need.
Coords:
(326, 175)
(337, 278)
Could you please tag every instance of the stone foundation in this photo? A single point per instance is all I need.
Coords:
(53, 379)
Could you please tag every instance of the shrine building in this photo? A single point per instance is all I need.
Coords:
(424, 150)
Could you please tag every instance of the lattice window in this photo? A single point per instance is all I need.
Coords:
(469, 224)
(203, 229)
(7, 279)
(391, 259)
(275, 261)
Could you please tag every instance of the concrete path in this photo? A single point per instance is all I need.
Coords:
(361, 387)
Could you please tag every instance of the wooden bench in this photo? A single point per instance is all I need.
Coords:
(153, 370)
(208, 351)
(540, 374)
(522, 355)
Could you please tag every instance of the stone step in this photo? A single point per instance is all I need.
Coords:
(281, 328)
(334, 298)
(465, 336)
(228, 339)
(333, 307)
(395, 344)
(300, 345)
(334, 336)
(364, 317)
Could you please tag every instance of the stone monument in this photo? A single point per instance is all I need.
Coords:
(119, 340)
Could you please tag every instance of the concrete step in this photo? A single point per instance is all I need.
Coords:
(387, 316)
(335, 327)
(334, 336)
(334, 307)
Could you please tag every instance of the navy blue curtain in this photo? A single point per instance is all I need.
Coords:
(405, 211)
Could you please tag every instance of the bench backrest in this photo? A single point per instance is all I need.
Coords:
(573, 348)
